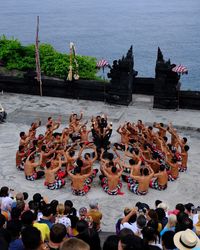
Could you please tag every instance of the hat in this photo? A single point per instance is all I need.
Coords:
(186, 240)
(37, 197)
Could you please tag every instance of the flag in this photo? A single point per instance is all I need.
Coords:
(37, 56)
(180, 69)
(102, 64)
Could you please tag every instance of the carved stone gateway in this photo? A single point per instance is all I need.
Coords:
(121, 74)
(167, 86)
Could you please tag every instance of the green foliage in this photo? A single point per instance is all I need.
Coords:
(52, 62)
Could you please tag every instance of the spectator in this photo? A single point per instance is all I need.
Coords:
(54, 204)
(152, 215)
(47, 215)
(75, 244)
(170, 224)
(29, 219)
(31, 238)
(69, 209)
(183, 222)
(150, 239)
(4, 234)
(163, 206)
(14, 228)
(129, 219)
(89, 235)
(167, 240)
(188, 209)
(57, 236)
(71, 213)
(162, 219)
(83, 215)
(187, 239)
(111, 243)
(180, 207)
(62, 218)
(197, 226)
(139, 225)
(130, 242)
(6, 202)
(95, 214)
(157, 202)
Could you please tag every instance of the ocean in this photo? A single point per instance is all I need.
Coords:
(107, 28)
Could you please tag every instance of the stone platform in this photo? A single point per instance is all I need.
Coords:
(24, 109)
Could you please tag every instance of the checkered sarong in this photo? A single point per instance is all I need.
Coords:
(104, 184)
(21, 166)
(182, 169)
(170, 178)
(32, 177)
(154, 184)
(89, 180)
(82, 192)
(134, 188)
(56, 185)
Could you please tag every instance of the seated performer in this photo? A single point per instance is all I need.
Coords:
(81, 183)
(173, 173)
(142, 185)
(184, 154)
(52, 181)
(161, 179)
(111, 181)
(30, 168)
(20, 158)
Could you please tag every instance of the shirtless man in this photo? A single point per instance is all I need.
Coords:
(20, 158)
(51, 179)
(24, 139)
(88, 161)
(111, 182)
(81, 184)
(161, 179)
(74, 117)
(50, 127)
(134, 169)
(109, 160)
(140, 126)
(161, 129)
(84, 134)
(146, 151)
(184, 154)
(45, 154)
(174, 136)
(133, 153)
(125, 134)
(154, 163)
(30, 168)
(65, 136)
(142, 185)
(173, 173)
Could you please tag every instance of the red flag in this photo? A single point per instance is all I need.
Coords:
(180, 69)
(102, 63)
(37, 56)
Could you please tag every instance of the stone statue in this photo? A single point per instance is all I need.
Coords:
(166, 84)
